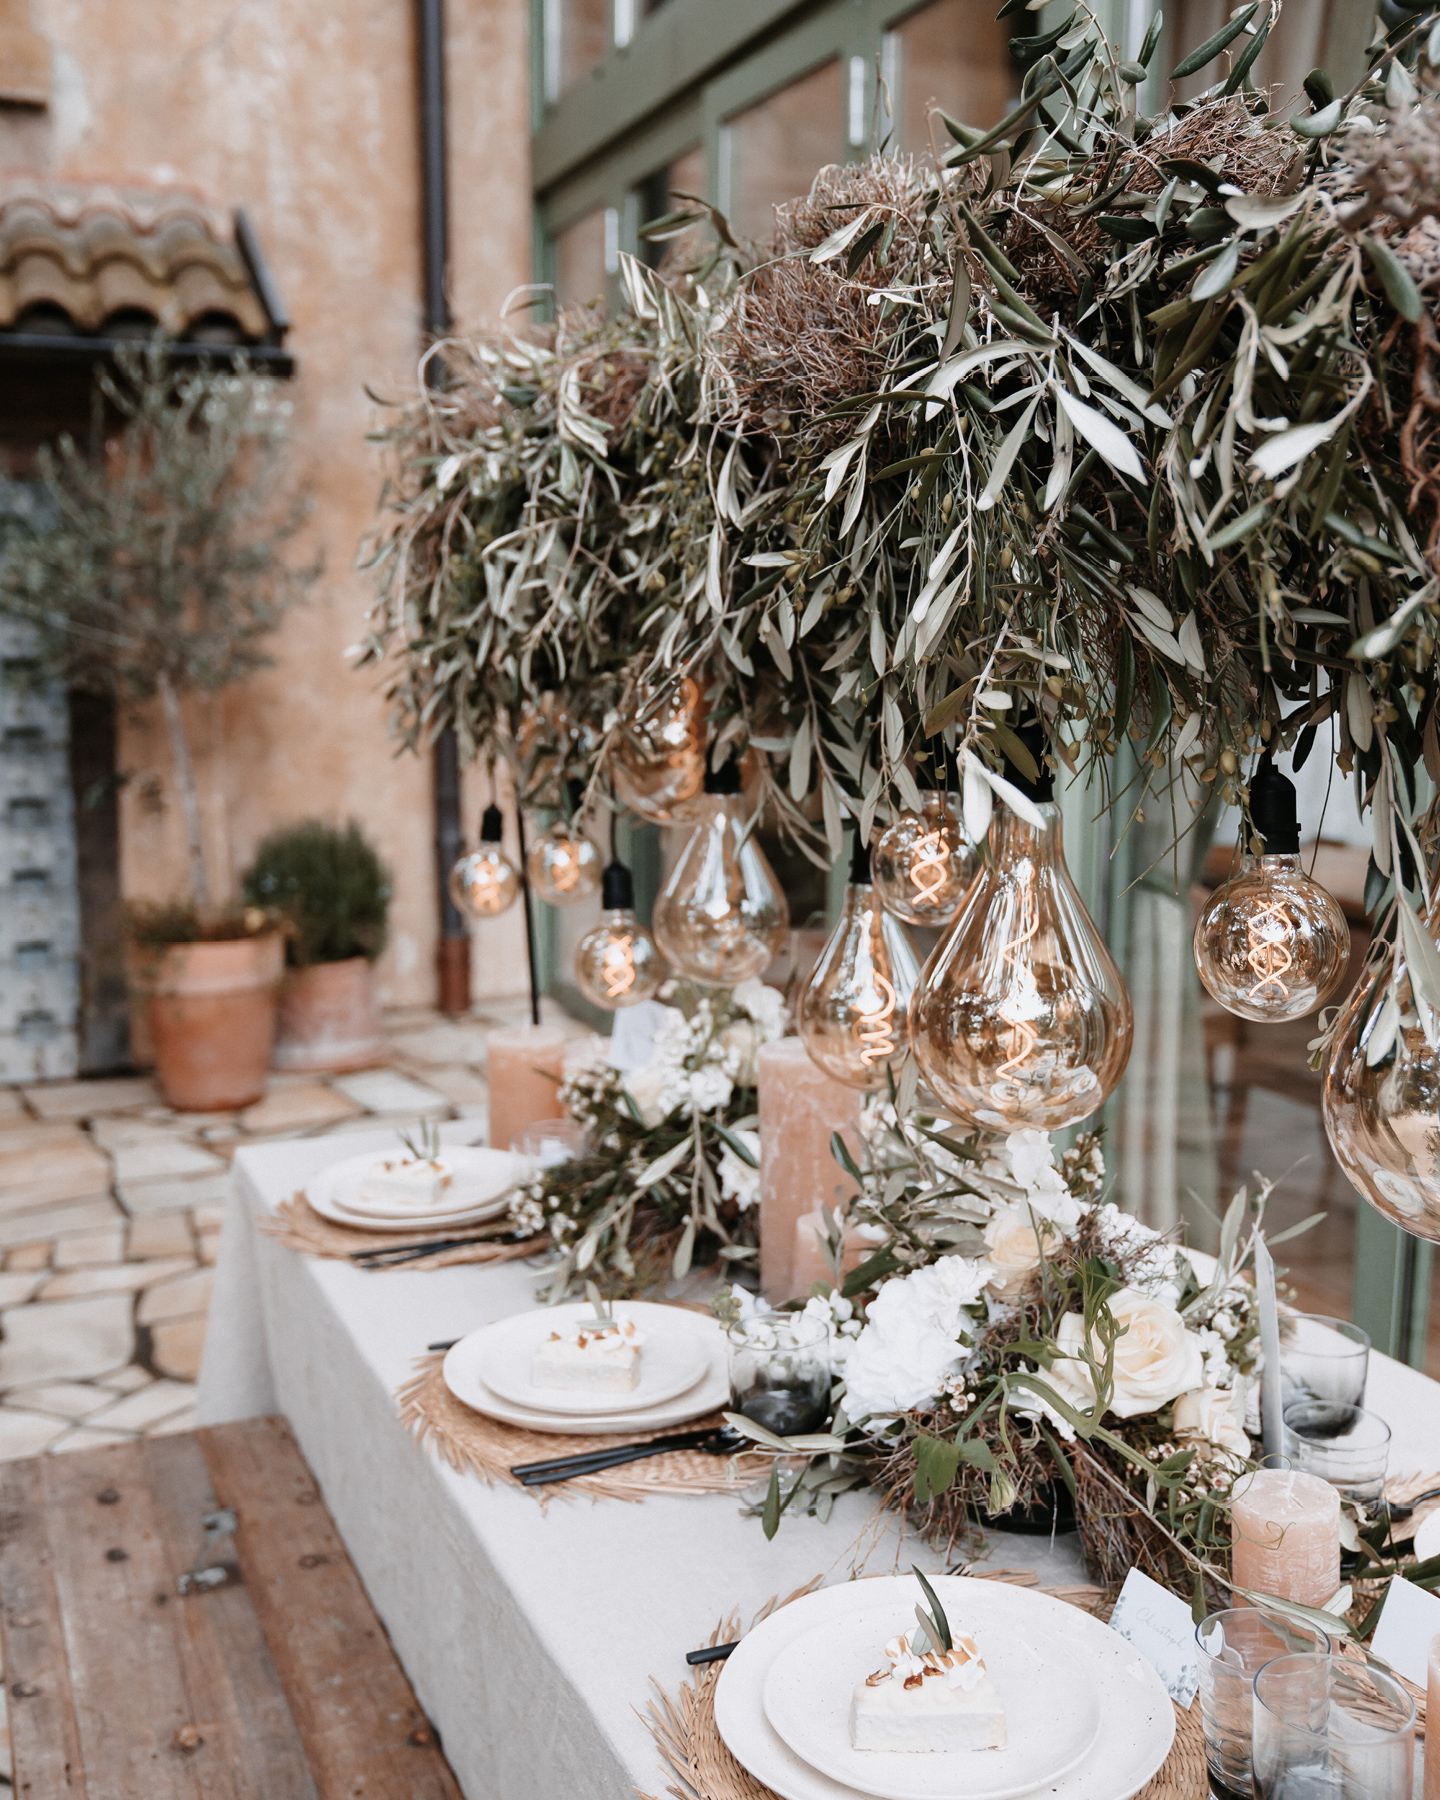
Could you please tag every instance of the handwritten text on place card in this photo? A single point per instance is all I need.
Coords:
(1162, 1630)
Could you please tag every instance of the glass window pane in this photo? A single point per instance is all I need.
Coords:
(576, 39)
(579, 252)
(953, 54)
(775, 147)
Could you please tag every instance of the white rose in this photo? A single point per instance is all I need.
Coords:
(1012, 1245)
(1214, 1413)
(647, 1088)
(738, 1181)
(765, 1005)
(1156, 1358)
(739, 1041)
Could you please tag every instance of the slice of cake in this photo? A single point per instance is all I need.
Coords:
(933, 1695)
(593, 1356)
(409, 1184)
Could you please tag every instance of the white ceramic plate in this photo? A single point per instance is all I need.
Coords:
(1052, 1713)
(673, 1357)
(1137, 1721)
(463, 1378)
(484, 1180)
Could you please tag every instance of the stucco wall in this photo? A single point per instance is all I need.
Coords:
(306, 116)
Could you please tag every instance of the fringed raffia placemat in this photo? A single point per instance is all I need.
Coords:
(298, 1226)
(477, 1445)
(685, 1734)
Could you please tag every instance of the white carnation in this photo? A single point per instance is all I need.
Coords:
(910, 1341)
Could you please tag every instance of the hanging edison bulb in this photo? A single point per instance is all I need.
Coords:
(722, 916)
(618, 964)
(924, 863)
(563, 865)
(659, 770)
(852, 1009)
(1382, 1092)
(1272, 944)
(1020, 1019)
(484, 884)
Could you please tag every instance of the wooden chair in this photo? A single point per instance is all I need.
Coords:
(180, 1619)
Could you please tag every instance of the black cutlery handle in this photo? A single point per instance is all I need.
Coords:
(711, 1653)
(565, 1468)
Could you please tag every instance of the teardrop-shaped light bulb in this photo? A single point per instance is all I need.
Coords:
(722, 915)
(563, 865)
(1020, 1019)
(853, 1008)
(659, 768)
(617, 964)
(484, 884)
(924, 863)
(1382, 1095)
(1272, 944)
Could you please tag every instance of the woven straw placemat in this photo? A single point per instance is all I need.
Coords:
(473, 1443)
(298, 1226)
(693, 1750)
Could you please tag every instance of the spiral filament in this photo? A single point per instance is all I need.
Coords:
(876, 1030)
(617, 966)
(1268, 955)
(929, 870)
(565, 869)
(1022, 1003)
(486, 883)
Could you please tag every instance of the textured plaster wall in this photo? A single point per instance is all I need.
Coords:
(307, 117)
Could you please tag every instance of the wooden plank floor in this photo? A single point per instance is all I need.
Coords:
(269, 1678)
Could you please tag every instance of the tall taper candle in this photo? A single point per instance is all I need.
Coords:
(523, 1067)
(1432, 1724)
(800, 1106)
(1285, 1536)
(1271, 1418)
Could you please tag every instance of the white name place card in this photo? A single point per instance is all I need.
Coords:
(1160, 1627)
(1408, 1621)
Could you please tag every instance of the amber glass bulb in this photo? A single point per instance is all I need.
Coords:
(618, 964)
(722, 915)
(563, 865)
(924, 863)
(484, 884)
(659, 770)
(853, 1007)
(1382, 1099)
(1271, 944)
(1020, 1019)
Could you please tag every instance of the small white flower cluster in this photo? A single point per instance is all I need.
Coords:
(527, 1210)
(699, 1061)
(837, 1314)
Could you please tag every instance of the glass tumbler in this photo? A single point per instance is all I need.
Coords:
(780, 1372)
(549, 1142)
(1344, 1445)
(1327, 1728)
(1322, 1359)
(1234, 1646)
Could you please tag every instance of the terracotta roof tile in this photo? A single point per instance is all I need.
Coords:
(93, 249)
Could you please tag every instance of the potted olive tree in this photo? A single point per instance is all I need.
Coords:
(333, 894)
(158, 574)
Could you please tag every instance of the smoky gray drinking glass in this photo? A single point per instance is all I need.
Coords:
(1234, 1646)
(1322, 1359)
(1344, 1445)
(780, 1372)
(1328, 1728)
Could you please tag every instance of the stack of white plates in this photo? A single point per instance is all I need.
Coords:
(479, 1189)
(683, 1372)
(1088, 1718)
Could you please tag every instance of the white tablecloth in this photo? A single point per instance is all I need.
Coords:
(530, 1636)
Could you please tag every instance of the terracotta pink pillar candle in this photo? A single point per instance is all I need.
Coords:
(1286, 1536)
(799, 1108)
(524, 1067)
(1432, 1724)
(811, 1263)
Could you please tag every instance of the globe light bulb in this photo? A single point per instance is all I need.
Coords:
(563, 865)
(1020, 1019)
(1272, 944)
(617, 964)
(852, 1009)
(722, 916)
(1382, 1096)
(484, 884)
(924, 863)
(659, 768)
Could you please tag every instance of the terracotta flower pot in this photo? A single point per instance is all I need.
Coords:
(327, 1018)
(212, 1020)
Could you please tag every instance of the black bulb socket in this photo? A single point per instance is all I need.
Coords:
(617, 889)
(1273, 811)
(1032, 736)
(860, 863)
(724, 780)
(492, 825)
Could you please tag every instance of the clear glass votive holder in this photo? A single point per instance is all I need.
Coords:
(1344, 1445)
(1322, 1359)
(780, 1372)
(1234, 1646)
(549, 1142)
(1329, 1728)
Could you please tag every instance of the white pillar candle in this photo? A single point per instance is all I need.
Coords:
(800, 1106)
(524, 1067)
(1286, 1536)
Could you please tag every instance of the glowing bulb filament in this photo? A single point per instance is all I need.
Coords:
(565, 869)
(875, 1030)
(1268, 955)
(1022, 1003)
(928, 871)
(617, 966)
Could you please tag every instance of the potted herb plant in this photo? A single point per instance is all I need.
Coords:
(156, 574)
(333, 894)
